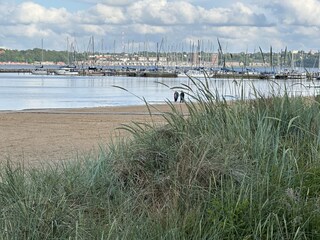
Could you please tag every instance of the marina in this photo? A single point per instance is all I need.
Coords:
(217, 73)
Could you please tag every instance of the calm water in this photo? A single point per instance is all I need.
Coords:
(26, 91)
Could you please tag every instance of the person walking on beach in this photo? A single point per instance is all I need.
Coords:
(175, 96)
(182, 96)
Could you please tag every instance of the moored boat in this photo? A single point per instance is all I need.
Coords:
(40, 71)
(293, 74)
(196, 73)
(67, 71)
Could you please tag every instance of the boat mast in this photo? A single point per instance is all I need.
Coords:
(68, 60)
(318, 61)
(41, 51)
(292, 60)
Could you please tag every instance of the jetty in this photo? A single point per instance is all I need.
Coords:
(15, 70)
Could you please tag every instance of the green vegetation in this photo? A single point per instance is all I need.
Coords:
(35, 55)
(246, 170)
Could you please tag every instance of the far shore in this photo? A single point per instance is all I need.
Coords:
(39, 136)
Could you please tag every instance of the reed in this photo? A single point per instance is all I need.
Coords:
(240, 170)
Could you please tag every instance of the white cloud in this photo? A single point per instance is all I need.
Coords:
(31, 13)
(163, 12)
(295, 12)
(240, 24)
(5, 13)
(102, 14)
(93, 29)
(110, 2)
(147, 29)
(28, 31)
(238, 15)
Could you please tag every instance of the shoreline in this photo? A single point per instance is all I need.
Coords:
(161, 105)
(39, 136)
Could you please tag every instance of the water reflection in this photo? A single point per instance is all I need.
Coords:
(31, 92)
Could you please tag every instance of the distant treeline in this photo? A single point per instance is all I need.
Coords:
(283, 59)
(37, 55)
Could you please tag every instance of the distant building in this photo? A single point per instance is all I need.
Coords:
(143, 59)
(152, 59)
(233, 64)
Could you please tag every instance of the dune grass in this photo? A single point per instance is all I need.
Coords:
(246, 170)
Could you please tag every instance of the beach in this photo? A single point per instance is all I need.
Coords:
(34, 137)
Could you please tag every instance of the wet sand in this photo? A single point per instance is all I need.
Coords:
(51, 135)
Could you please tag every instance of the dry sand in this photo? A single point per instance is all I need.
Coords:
(39, 136)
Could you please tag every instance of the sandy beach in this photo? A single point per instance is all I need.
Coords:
(50, 135)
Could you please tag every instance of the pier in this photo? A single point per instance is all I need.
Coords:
(15, 70)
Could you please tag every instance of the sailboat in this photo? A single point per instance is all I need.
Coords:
(40, 70)
(68, 69)
(317, 74)
(292, 73)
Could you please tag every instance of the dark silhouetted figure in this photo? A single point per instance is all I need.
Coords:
(175, 96)
(182, 96)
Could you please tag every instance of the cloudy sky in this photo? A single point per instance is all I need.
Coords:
(243, 25)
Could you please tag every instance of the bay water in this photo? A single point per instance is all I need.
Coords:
(27, 91)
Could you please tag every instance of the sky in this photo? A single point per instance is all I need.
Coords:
(132, 25)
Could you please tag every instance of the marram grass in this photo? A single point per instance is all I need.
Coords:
(245, 170)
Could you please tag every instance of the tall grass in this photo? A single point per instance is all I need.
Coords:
(245, 170)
